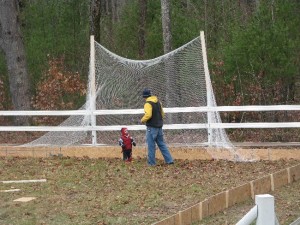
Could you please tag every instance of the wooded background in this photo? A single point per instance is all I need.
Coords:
(253, 47)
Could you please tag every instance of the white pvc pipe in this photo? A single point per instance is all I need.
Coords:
(249, 217)
(296, 222)
(10, 190)
(209, 96)
(93, 90)
(23, 181)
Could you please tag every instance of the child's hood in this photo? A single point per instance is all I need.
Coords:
(124, 131)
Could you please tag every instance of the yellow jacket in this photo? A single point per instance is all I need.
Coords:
(148, 109)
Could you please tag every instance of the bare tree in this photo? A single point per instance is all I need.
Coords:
(248, 7)
(114, 10)
(166, 25)
(109, 14)
(173, 89)
(142, 27)
(11, 43)
(95, 19)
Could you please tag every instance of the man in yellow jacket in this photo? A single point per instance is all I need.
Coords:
(153, 118)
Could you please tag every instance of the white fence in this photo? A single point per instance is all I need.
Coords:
(263, 212)
(257, 108)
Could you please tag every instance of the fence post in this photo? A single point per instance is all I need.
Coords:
(265, 209)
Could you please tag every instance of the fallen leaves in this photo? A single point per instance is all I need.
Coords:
(106, 191)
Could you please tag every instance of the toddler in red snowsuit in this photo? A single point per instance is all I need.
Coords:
(126, 142)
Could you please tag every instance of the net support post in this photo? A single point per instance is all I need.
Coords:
(208, 89)
(92, 79)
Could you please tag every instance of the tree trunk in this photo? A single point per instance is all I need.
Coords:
(109, 5)
(12, 44)
(257, 3)
(166, 25)
(248, 8)
(173, 89)
(297, 89)
(114, 11)
(95, 19)
(142, 27)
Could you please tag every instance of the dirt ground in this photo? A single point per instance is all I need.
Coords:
(85, 190)
(242, 153)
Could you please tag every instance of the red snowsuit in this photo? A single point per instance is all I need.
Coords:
(126, 142)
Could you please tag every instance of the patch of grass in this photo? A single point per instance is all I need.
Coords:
(107, 191)
(287, 208)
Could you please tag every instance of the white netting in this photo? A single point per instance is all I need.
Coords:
(177, 78)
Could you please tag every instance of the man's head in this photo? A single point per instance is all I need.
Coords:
(146, 93)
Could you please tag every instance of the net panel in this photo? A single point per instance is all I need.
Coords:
(177, 78)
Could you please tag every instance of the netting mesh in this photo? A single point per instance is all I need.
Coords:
(177, 78)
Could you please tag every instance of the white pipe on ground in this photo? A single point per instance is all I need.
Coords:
(249, 217)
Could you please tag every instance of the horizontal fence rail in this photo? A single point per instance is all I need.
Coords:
(141, 111)
(142, 127)
(88, 112)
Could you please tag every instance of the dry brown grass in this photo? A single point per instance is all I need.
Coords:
(107, 191)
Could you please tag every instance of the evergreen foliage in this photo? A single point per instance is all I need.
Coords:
(268, 42)
(126, 32)
(265, 51)
(258, 47)
(56, 28)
